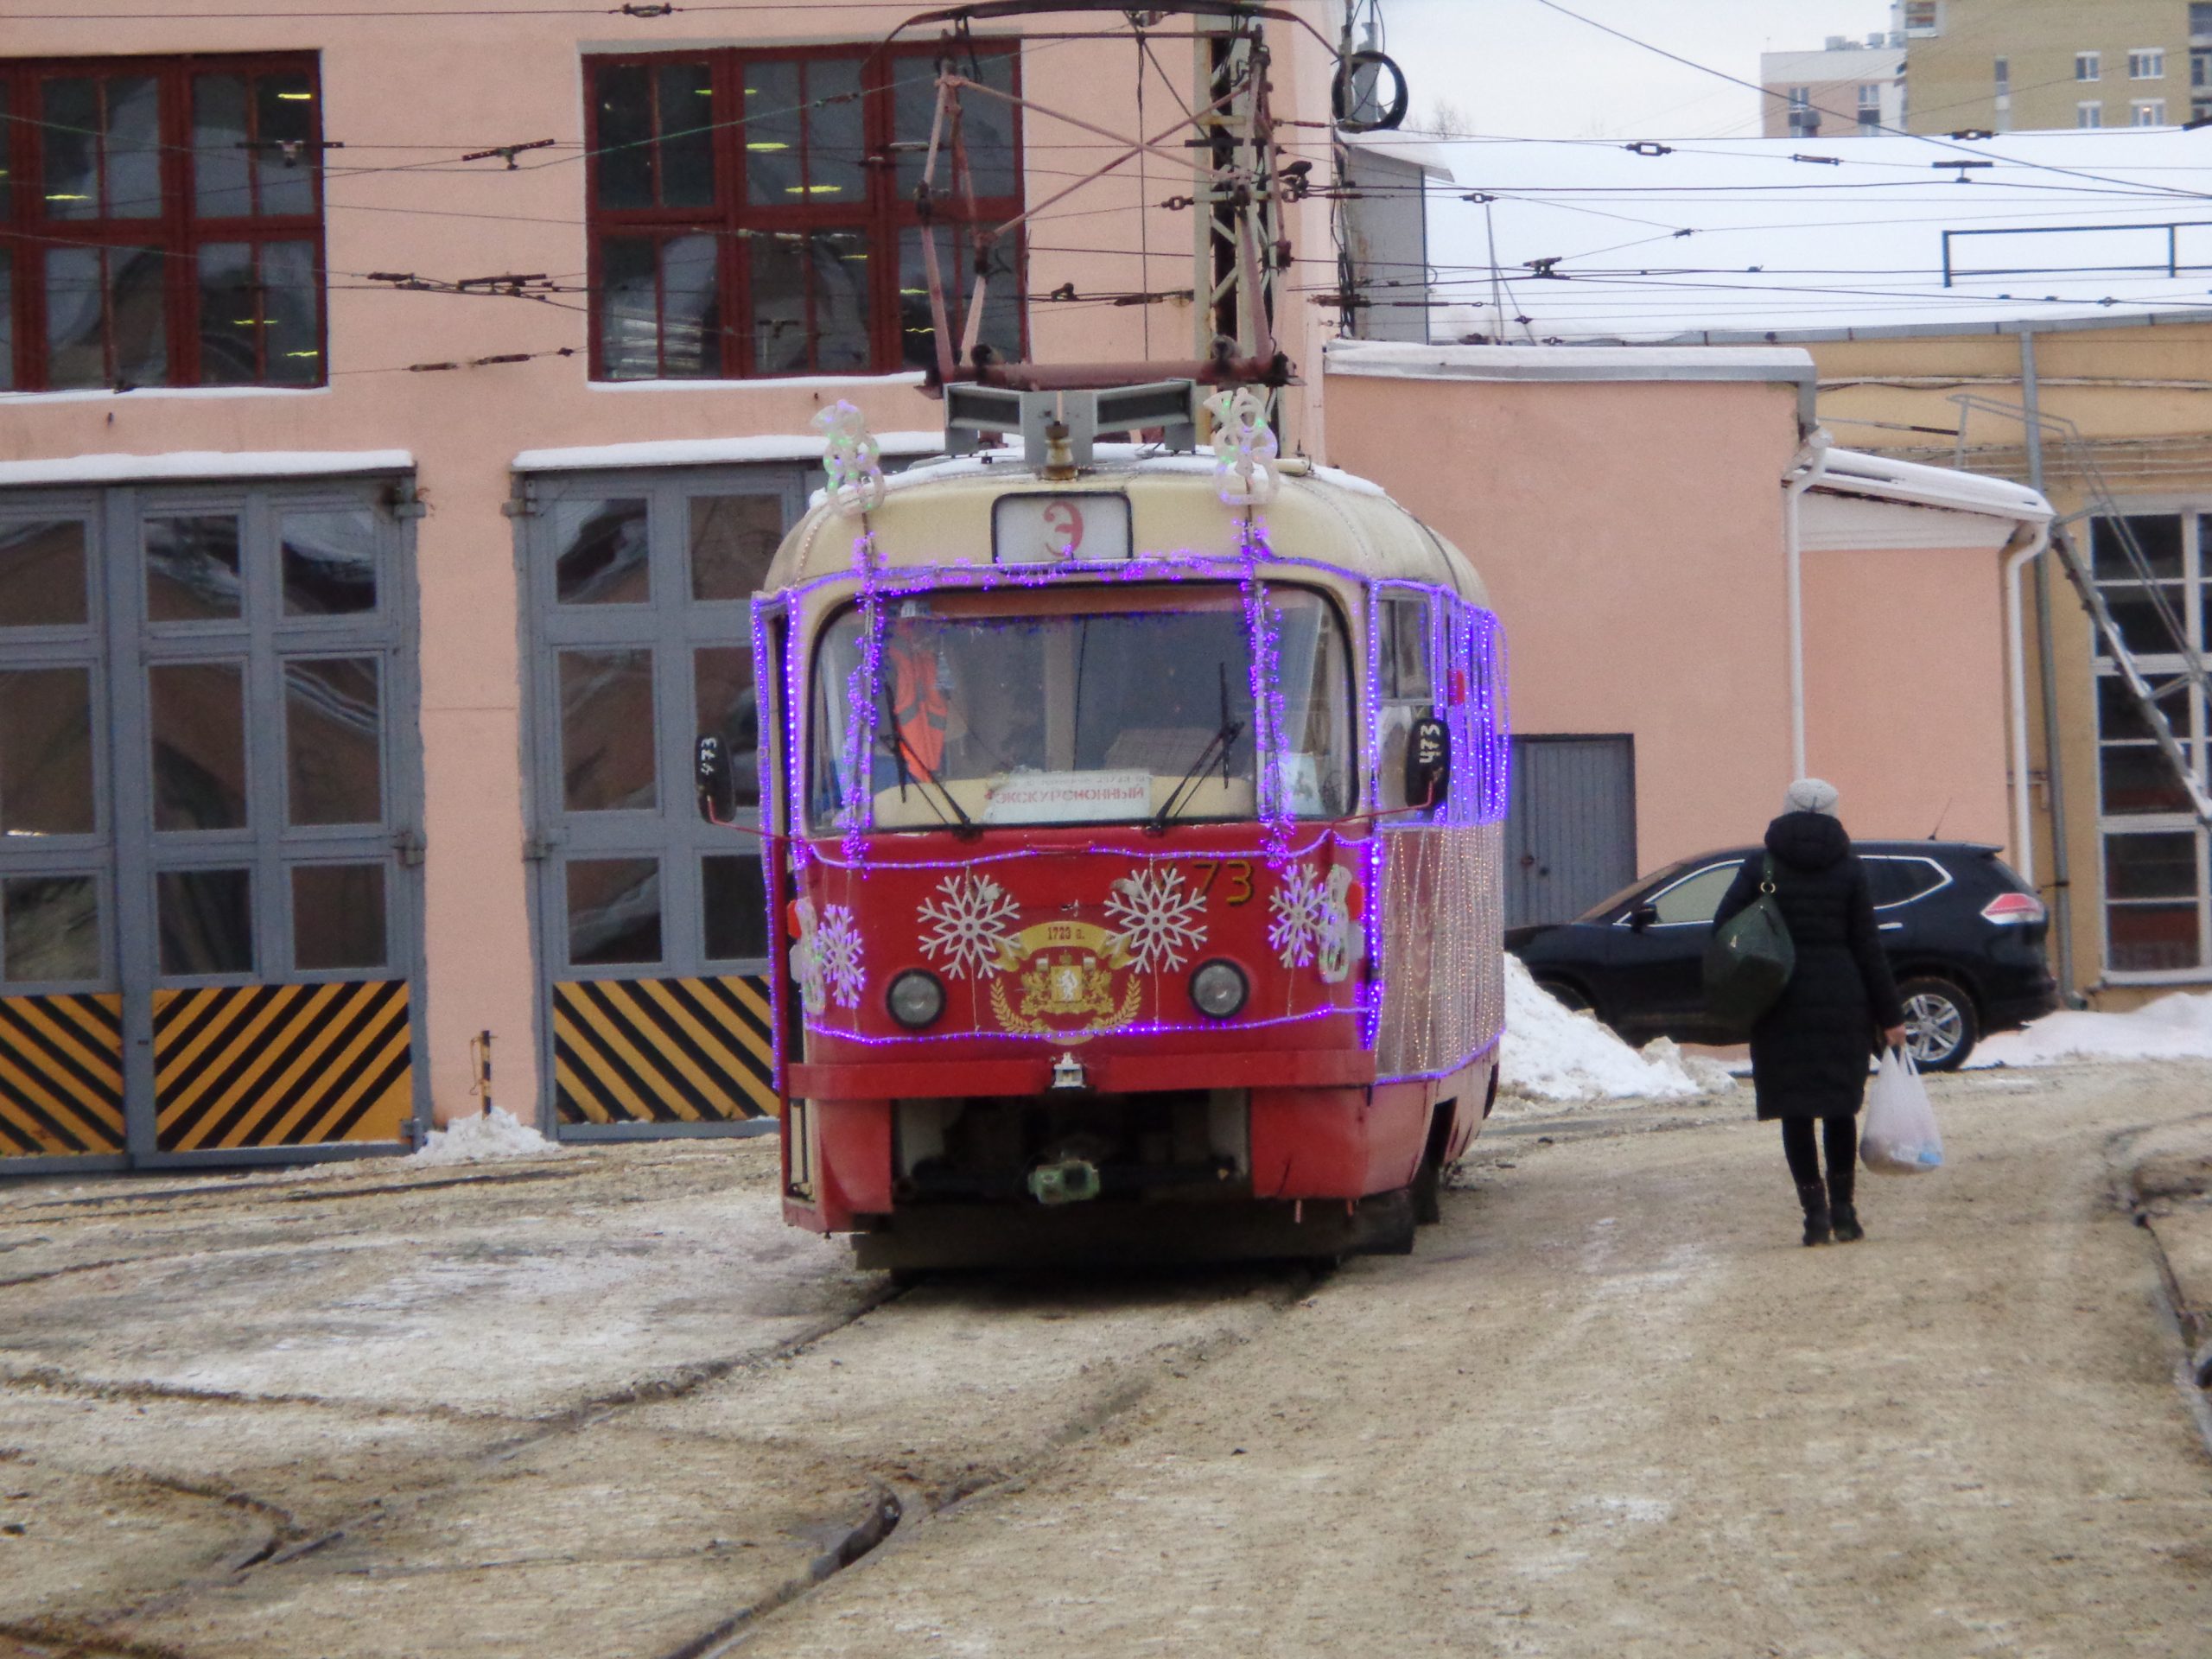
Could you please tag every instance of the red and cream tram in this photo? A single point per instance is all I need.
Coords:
(1135, 821)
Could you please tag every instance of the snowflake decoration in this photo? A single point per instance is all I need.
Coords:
(968, 923)
(1158, 918)
(837, 956)
(1344, 941)
(1301, 907)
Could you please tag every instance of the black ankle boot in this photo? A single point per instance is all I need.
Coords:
(1814, 1197)
(1848, 1230)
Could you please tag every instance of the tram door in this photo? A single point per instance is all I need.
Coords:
(209, 779)
(652, 924)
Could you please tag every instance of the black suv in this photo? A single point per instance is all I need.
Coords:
(1964, 938)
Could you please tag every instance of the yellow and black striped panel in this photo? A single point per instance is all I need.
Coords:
(61, 1075)
(663, 1051)
(282, 1065)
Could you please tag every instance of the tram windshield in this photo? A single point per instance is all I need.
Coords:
(1067, 705)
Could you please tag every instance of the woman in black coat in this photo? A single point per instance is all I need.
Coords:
(1810, 1050)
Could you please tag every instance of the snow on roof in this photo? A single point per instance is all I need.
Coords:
(708, 452)
(1719, 239)
(206, 463)
(1848, 472)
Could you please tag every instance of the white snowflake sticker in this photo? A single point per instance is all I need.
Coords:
(1300, 905)
(1159, 918)
(837, 956)
(968, 923)
(1344, 941)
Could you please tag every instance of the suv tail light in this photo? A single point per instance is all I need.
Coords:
(2013, 910)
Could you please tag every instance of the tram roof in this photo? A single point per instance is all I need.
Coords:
(940, 511)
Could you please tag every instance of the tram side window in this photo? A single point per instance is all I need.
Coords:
(1407, 692)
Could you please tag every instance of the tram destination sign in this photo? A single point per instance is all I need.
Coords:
(1092, 526)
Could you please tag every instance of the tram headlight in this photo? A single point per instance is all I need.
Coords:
(1219, 989)
(916, 998)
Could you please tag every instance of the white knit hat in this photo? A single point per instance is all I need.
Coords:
(1811, 795)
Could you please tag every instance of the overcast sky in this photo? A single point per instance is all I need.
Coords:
(1515, 67)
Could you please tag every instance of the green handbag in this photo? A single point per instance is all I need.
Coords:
(1750, 959)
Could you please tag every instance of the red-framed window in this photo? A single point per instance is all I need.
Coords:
(160, 222)
(753, 214)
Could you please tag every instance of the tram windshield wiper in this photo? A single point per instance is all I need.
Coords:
(904, 758)
(1221, 742)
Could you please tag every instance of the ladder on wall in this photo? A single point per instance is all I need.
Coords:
(2098, 503)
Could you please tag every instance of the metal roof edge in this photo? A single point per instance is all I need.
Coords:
(2069, 324)
(1567, 364)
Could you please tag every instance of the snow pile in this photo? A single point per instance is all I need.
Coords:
(486, 1138)
(1551, 1054)
(2172, 1028)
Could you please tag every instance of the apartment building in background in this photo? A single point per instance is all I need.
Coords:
(1849, 87)
(2021, 65)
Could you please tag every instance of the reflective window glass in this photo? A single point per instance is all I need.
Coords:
(333, 740)
(194, 573)
(284, 165)
(2151, 866)
(43, 574)
(133, 147)
(205, 918)
(773, 132)
(613, 911)
(727, 709)
(2153, 938)
(690, 308)
(197, 715)
(1901, 880)
(338, 917)
(2156, 536)
(329, 562)
(69, 117)
(629, 308)
(734, 908)
(835, 142)
(46, 751)
(734, 538)
(608, 731)
(2137, 778)
(603, 556)
(2153, 617)
(986, 125)
(1696, 898)
(956, 263)
(49, 928)
(810, 301)
(220, 168)
(230, 315)
(687, 118)
(2120, 716)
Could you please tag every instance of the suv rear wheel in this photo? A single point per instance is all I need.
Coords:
(1940, 1026)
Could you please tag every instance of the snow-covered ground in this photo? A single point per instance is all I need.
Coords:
(2177, 1027)
(1554, 1055)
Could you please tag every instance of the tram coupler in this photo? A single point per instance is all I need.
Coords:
(1072, 1181)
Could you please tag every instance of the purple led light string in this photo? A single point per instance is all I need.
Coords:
(1159, 1028)
(770, 842)
(1460, 1065)
(863, 689)
(1328, 835)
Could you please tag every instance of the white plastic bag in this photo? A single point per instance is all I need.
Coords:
(1900, 1137)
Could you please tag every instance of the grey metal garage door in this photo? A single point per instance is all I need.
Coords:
(1570, 829)
(652, 935)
